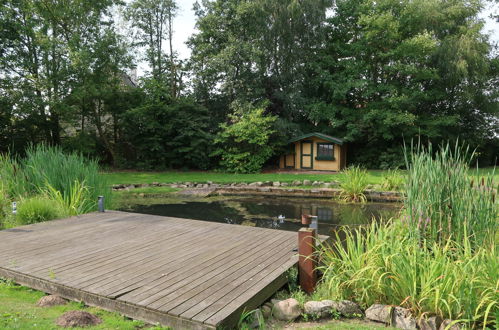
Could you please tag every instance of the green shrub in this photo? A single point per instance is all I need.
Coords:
(244, 145)
(393, 180)
(385, 264)
(352, 189)
(443, 202)
(37, 209)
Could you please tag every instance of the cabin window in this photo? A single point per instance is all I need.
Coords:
(325, 151)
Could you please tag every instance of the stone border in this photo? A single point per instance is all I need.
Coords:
(269, 188)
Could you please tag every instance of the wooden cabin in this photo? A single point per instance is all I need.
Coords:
(316, 152)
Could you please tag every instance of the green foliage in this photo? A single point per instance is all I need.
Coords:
(385, 264)
(442, 202)
(164, 134)
(76, 201)
(393, 180)
(37, 209)
(394, 69)
(244, 144)
(352, 189)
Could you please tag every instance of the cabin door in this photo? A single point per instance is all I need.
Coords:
(307, 154)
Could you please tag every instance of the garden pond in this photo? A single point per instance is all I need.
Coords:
(267, 212)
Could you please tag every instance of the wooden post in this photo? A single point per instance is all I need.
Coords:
(306, 259)
(305, 219)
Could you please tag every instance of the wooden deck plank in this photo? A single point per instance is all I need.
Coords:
(188, 274)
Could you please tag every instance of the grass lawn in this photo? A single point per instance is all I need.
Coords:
(129, 177)
(18, 310)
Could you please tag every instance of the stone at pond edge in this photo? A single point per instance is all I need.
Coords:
(276, 184)
(347, 308)
(431, 323)
(296, 183)
(258, 319)
(51, 300)
(319, 308)
(395, 316)
(77, 319)
(446, 325)
(287, 310)
(307, 183)
(267, 310)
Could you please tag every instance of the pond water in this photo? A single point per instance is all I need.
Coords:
(268, 212)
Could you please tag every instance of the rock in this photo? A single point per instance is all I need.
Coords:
(254, 184)
(431, 323)
(209, 182)
(258, 319)
(446, 325)
(402, 319)
(51, 300)
(206, 185)
(395, 316)
(188, 184)
(77, 319)
(347, 308)
(276, 184)
(296, 183)
(287, 310)
(130, 187)
(182, 186)
(155, 183)
(327, 185)
(319, 308)
(267, 310)
(307, 183)
(316, 183)
(142, 195)
(284, 184)
(380, 313)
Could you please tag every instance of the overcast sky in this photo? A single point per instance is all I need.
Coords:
(185, 21)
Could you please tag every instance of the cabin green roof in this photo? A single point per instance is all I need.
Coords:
(318, 135)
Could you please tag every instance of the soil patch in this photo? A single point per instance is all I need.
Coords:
(77, 319)
(52, 300)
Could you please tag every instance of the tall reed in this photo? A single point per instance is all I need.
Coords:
(49, 171)
(384, 263)
(444, 202)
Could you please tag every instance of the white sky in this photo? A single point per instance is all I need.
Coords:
(184, 26)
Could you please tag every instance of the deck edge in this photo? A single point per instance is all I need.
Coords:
(111, 305)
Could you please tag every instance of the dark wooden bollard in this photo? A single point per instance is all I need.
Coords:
(306, 260)
(306, 219)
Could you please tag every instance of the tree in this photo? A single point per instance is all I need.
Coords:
(393, 69)
(153, 21)
(244, 143)
(250, 51)
(44, 46)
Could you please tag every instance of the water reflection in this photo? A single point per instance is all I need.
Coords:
(276, 213)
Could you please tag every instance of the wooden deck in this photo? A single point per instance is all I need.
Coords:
(183, 273)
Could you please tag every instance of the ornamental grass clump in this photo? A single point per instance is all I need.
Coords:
(443, 201)
(393, 180)
(352, 189)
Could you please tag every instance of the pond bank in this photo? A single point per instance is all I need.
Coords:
(269, 188)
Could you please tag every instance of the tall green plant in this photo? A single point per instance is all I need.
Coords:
(443, 202)
(384, 263)
(352, 189)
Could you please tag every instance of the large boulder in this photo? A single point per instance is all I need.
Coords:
(51, 300)
(319, 308)
(73, 319)
(287, 310)
(347, 308)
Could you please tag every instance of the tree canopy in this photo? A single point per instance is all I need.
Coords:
(376, 73)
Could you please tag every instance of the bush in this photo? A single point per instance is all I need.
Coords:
(244, 145)
(352, 189)
(37, 209)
